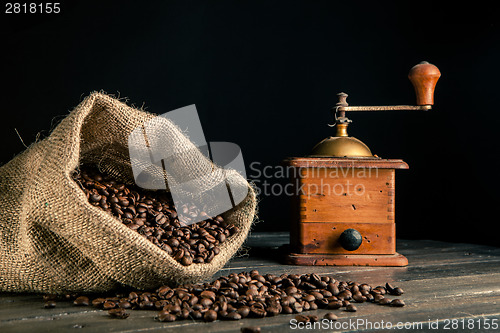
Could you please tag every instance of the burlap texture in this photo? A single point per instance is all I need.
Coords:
(53, 240)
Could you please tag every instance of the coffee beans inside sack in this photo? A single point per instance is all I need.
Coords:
(64, 233)
(153, 215)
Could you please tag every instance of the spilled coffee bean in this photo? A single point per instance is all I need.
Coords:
(118, 313)
(397, 292)
(81, 301)
(238, 296)
(393, 291)
(250, 329)
(351, 308)
(313, 318)
(397, 302)
(302, 319)
(330, 316)
(153, 215)
(49, 305)
(384, 301)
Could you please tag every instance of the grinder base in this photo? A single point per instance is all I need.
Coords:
(395, 259)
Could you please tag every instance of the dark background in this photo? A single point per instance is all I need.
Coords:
(264, 75)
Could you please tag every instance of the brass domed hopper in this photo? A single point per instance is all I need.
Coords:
(343, 198)
(423, 76)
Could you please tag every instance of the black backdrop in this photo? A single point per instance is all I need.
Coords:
(264, 75)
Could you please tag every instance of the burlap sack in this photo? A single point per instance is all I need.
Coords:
(53, 240)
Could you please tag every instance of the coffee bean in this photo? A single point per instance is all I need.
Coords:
(313, 318)
(173, 308)
(244, 311)
(50, 297)
(179, 254)
(184, 314)
(307, 286)
(118, 313)
(297, 307)
(334, 305)
(288, 300)
(233, 316)
(252, 292)
(49, 304)
(323, 303)
(221, 314)
(208, 294)
(197, 315)
(330, 316)
(351, 308)
(397, 303)
(124, 305)
(365, 287)
(333, 288)
(166, 316)
(345, 295)
(221, 237)
(97, 302)
(359, 298)
(146, 305)
(199, 307)
(187, 260)
(384, 301)
(210, 315)
(81, 301)
(397, 291)
(273, 311)
(210, 238)
(173, 242)
(317, 295)
(250, 329)
(108, 305)
(302, 319)
(257, 310)
(95, 197)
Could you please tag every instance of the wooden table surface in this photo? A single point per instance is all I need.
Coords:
(449, 286)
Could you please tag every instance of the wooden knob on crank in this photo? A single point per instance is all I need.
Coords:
(424, 77)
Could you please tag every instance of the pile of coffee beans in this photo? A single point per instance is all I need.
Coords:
(247, 294)
(153, 215)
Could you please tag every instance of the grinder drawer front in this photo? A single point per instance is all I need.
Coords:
(345, 238)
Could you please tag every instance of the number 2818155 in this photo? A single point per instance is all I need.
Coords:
(32, 8)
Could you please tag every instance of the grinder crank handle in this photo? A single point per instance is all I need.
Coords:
(424, 77)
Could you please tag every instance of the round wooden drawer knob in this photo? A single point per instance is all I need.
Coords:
(350, 239)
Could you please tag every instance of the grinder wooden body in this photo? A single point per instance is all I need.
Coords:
(334, 195)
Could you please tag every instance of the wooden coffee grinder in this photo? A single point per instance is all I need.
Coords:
(343, 210)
